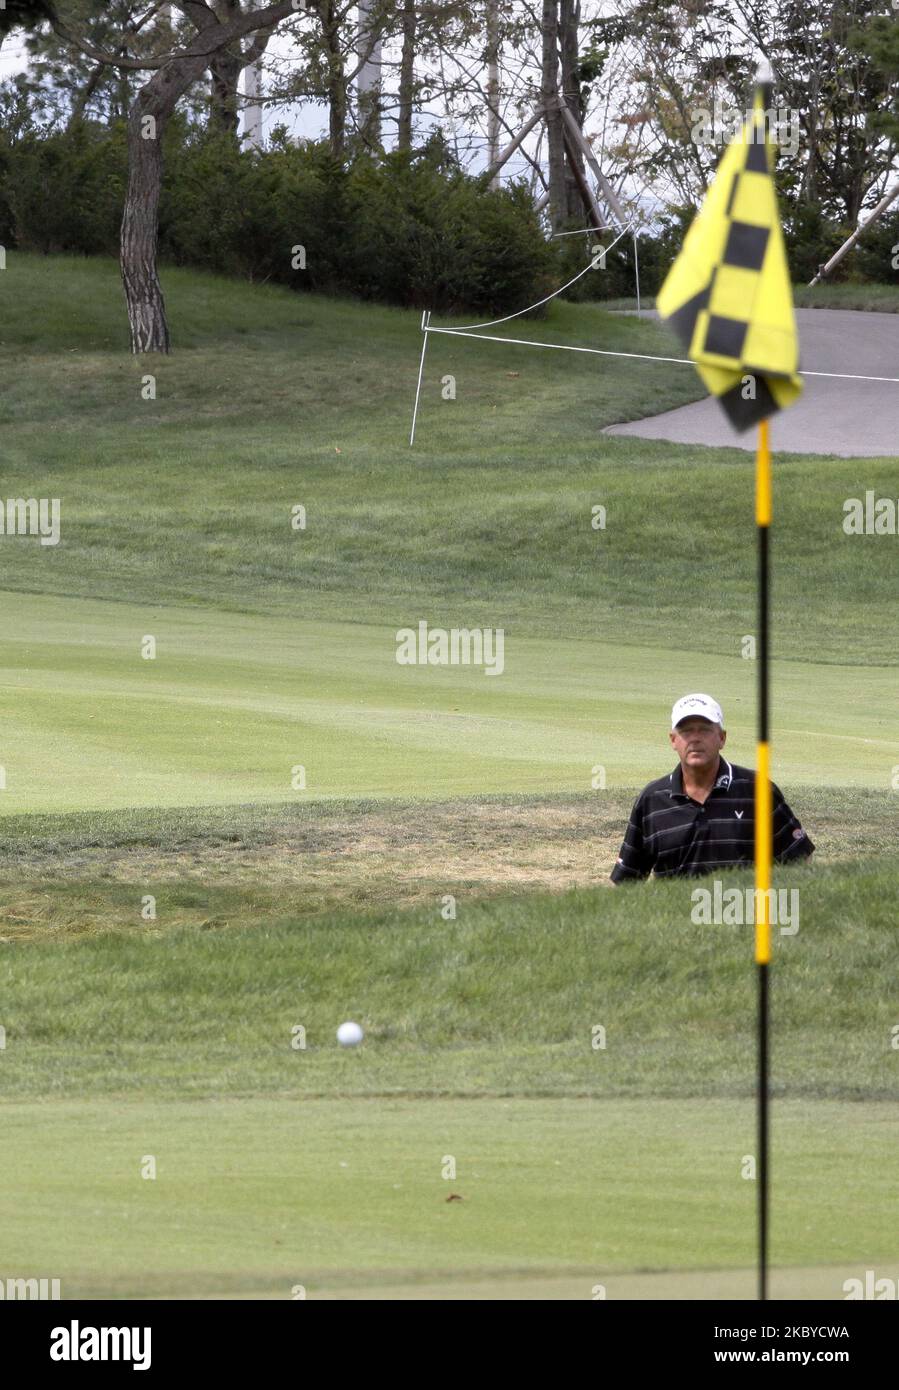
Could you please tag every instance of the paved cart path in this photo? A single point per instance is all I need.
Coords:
(849, 418)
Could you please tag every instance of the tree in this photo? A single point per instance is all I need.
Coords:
(569, 195)
(879, 42)
(406, 103)
(549, 97)
(689, 54)
(336, 52)
(76, 86)
(174, 72)
(24, 14)
(838, 91)
(369, 40)
(227, 65)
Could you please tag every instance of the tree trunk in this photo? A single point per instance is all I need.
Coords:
(140, 223)
(549, 92)
(146, 124)
(569, 21)
(252, 126)
(407, 78)
(223, 114)
(493, 92)
(140, 219)
(120, 109)
(337, 95)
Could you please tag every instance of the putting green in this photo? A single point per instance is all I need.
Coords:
(258, 1198)
(232, 704)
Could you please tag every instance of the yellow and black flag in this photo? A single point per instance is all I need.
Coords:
(728, 295)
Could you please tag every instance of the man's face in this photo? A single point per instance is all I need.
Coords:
(697, 742)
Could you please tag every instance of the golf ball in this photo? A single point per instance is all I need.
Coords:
(349, 1034)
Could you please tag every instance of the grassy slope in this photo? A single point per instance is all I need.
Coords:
(502, 999)
(274, 400)
(176, 522)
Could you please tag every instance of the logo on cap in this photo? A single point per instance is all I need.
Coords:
(702, 705)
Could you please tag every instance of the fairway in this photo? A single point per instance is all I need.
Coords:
(175, 900)
(231, 704)
(348, 1199)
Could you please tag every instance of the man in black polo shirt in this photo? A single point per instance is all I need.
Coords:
(701, 817)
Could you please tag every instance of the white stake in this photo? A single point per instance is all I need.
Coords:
(425, 320)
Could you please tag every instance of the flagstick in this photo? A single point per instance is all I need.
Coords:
(763, 841)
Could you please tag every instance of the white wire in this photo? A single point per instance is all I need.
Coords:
(491, 323)
(850, 376)
(642, 356)
(561, 347)
(582, 231)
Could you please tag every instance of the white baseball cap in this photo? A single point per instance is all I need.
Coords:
(701, 706)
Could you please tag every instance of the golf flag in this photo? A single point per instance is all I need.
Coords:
(728, 295)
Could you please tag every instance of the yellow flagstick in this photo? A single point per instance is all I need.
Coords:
(763, 837)
(729, 299)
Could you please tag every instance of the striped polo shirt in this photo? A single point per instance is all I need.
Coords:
(670, 833)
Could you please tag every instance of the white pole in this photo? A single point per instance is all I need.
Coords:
(252, 116)
(637, 271)
(368, 79)
(425, 320)
(848, 245)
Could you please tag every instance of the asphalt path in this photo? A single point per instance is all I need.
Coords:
(847, 418)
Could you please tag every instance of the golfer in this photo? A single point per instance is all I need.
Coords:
(701, 817)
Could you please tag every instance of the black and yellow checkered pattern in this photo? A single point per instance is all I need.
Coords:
(728, 295)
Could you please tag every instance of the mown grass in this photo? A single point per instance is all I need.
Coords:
(349, 1198)
(274, 400)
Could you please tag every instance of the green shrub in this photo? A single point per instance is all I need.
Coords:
(403, 229)
(64, 190)
(406, 228)
(811, 239)
(875, 256)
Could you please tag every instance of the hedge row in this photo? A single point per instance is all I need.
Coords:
(407, 229)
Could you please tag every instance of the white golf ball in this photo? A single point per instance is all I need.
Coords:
(349, 1034)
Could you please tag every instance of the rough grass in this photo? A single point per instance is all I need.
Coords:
(84, 874)
(501, 998)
